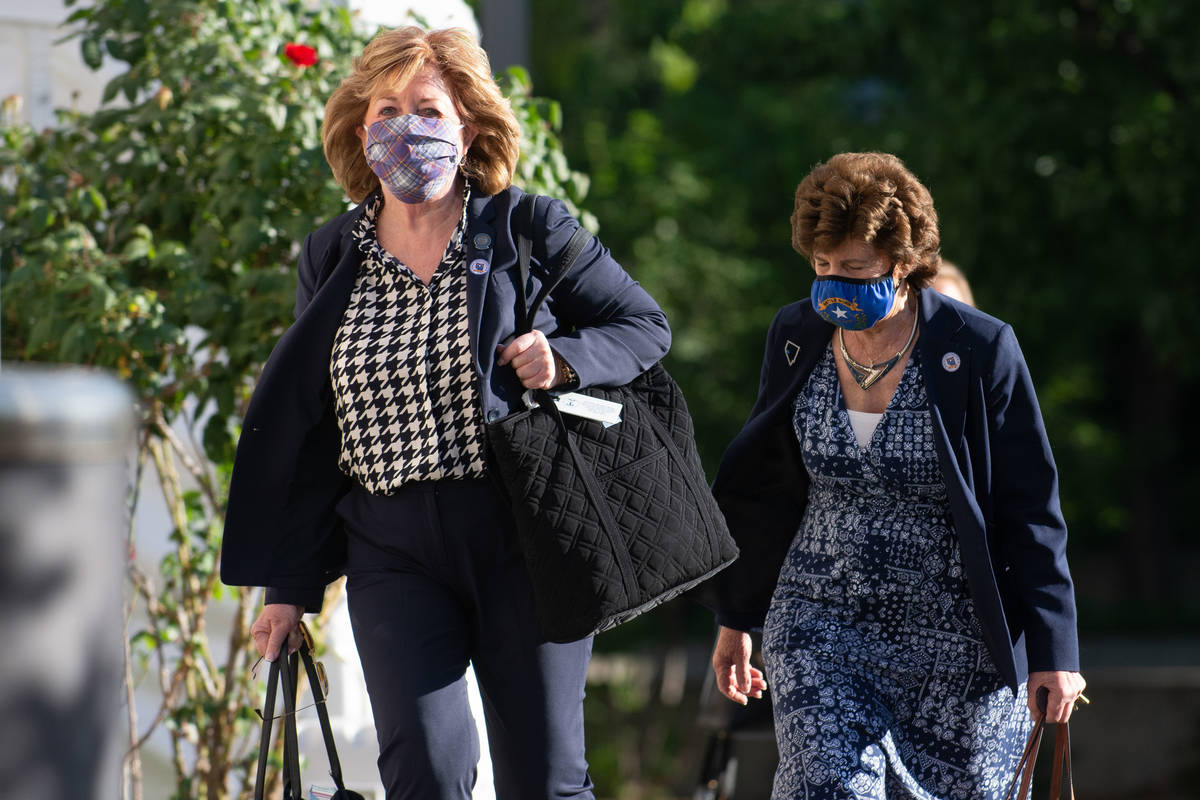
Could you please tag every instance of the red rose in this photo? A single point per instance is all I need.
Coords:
(300, 54)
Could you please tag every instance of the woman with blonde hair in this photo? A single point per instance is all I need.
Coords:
(363, 450)
(896, 505)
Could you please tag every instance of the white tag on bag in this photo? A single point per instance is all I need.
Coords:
(606, 412)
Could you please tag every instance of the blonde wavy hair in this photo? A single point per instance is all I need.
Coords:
(393, 58)
(872, 197)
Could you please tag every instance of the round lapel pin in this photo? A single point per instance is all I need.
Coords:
(951, 362)
(482, 241)
(478, 266)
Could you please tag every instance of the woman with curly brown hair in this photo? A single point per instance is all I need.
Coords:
(363, 450)
(896, 505)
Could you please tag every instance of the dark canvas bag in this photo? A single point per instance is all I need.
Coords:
(612, 521)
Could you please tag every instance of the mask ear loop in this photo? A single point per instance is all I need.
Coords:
(898, 283)
(462, 159)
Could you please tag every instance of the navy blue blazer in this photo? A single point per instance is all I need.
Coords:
(995, 460)
(281, 529)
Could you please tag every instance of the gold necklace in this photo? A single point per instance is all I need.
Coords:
(865, 376)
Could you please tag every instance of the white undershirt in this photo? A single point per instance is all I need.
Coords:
(864, 424)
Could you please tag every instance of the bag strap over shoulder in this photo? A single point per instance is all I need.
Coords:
(525, 211)
(526, 310)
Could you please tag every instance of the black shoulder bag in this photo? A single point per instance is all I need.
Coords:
(612, 521)
(287, 672)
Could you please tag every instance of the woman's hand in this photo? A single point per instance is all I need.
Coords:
(736, 679)
(1064, 689)
(533, 360)
(276, 622)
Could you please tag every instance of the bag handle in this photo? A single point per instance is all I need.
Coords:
(1062, 758)
(526, 311)
(281, 674)
(288, 675)
(264, 742)
(314, 681)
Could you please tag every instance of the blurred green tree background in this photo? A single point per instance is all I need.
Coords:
(1061, 141)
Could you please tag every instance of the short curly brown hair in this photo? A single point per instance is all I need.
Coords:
(875, 198)
(395, 57)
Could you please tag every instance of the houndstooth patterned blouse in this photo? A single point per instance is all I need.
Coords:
(404, 390)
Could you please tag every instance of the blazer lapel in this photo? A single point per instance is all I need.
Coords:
(946, 365)
(318, 325)
(801, 349)
(795, 351)
(481, 241)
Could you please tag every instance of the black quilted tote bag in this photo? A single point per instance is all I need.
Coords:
(612, 520)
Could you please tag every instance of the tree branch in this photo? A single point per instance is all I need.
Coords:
(202, 476)
(131, 767)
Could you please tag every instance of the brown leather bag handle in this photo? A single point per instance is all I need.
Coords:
(1062, 758)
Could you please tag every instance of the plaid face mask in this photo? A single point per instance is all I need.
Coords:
(415, 157)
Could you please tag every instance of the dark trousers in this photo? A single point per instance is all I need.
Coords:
(435, 580)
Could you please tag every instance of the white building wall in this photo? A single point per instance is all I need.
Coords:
(46, 73)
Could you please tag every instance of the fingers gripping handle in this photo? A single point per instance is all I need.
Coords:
(1062, 756)
(286, 672)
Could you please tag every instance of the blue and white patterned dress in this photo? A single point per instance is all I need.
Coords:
(881, 682)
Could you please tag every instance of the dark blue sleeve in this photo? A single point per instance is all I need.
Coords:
(306, 278)
(309, 597)
(1030, 530)
(761, 489)
(619, 331)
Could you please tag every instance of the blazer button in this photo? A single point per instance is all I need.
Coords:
(493, 415)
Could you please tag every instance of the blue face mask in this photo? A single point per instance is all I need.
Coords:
(853, 303)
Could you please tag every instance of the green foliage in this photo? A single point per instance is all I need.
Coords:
(543, 167)
(178, 208)
(1060, 141)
